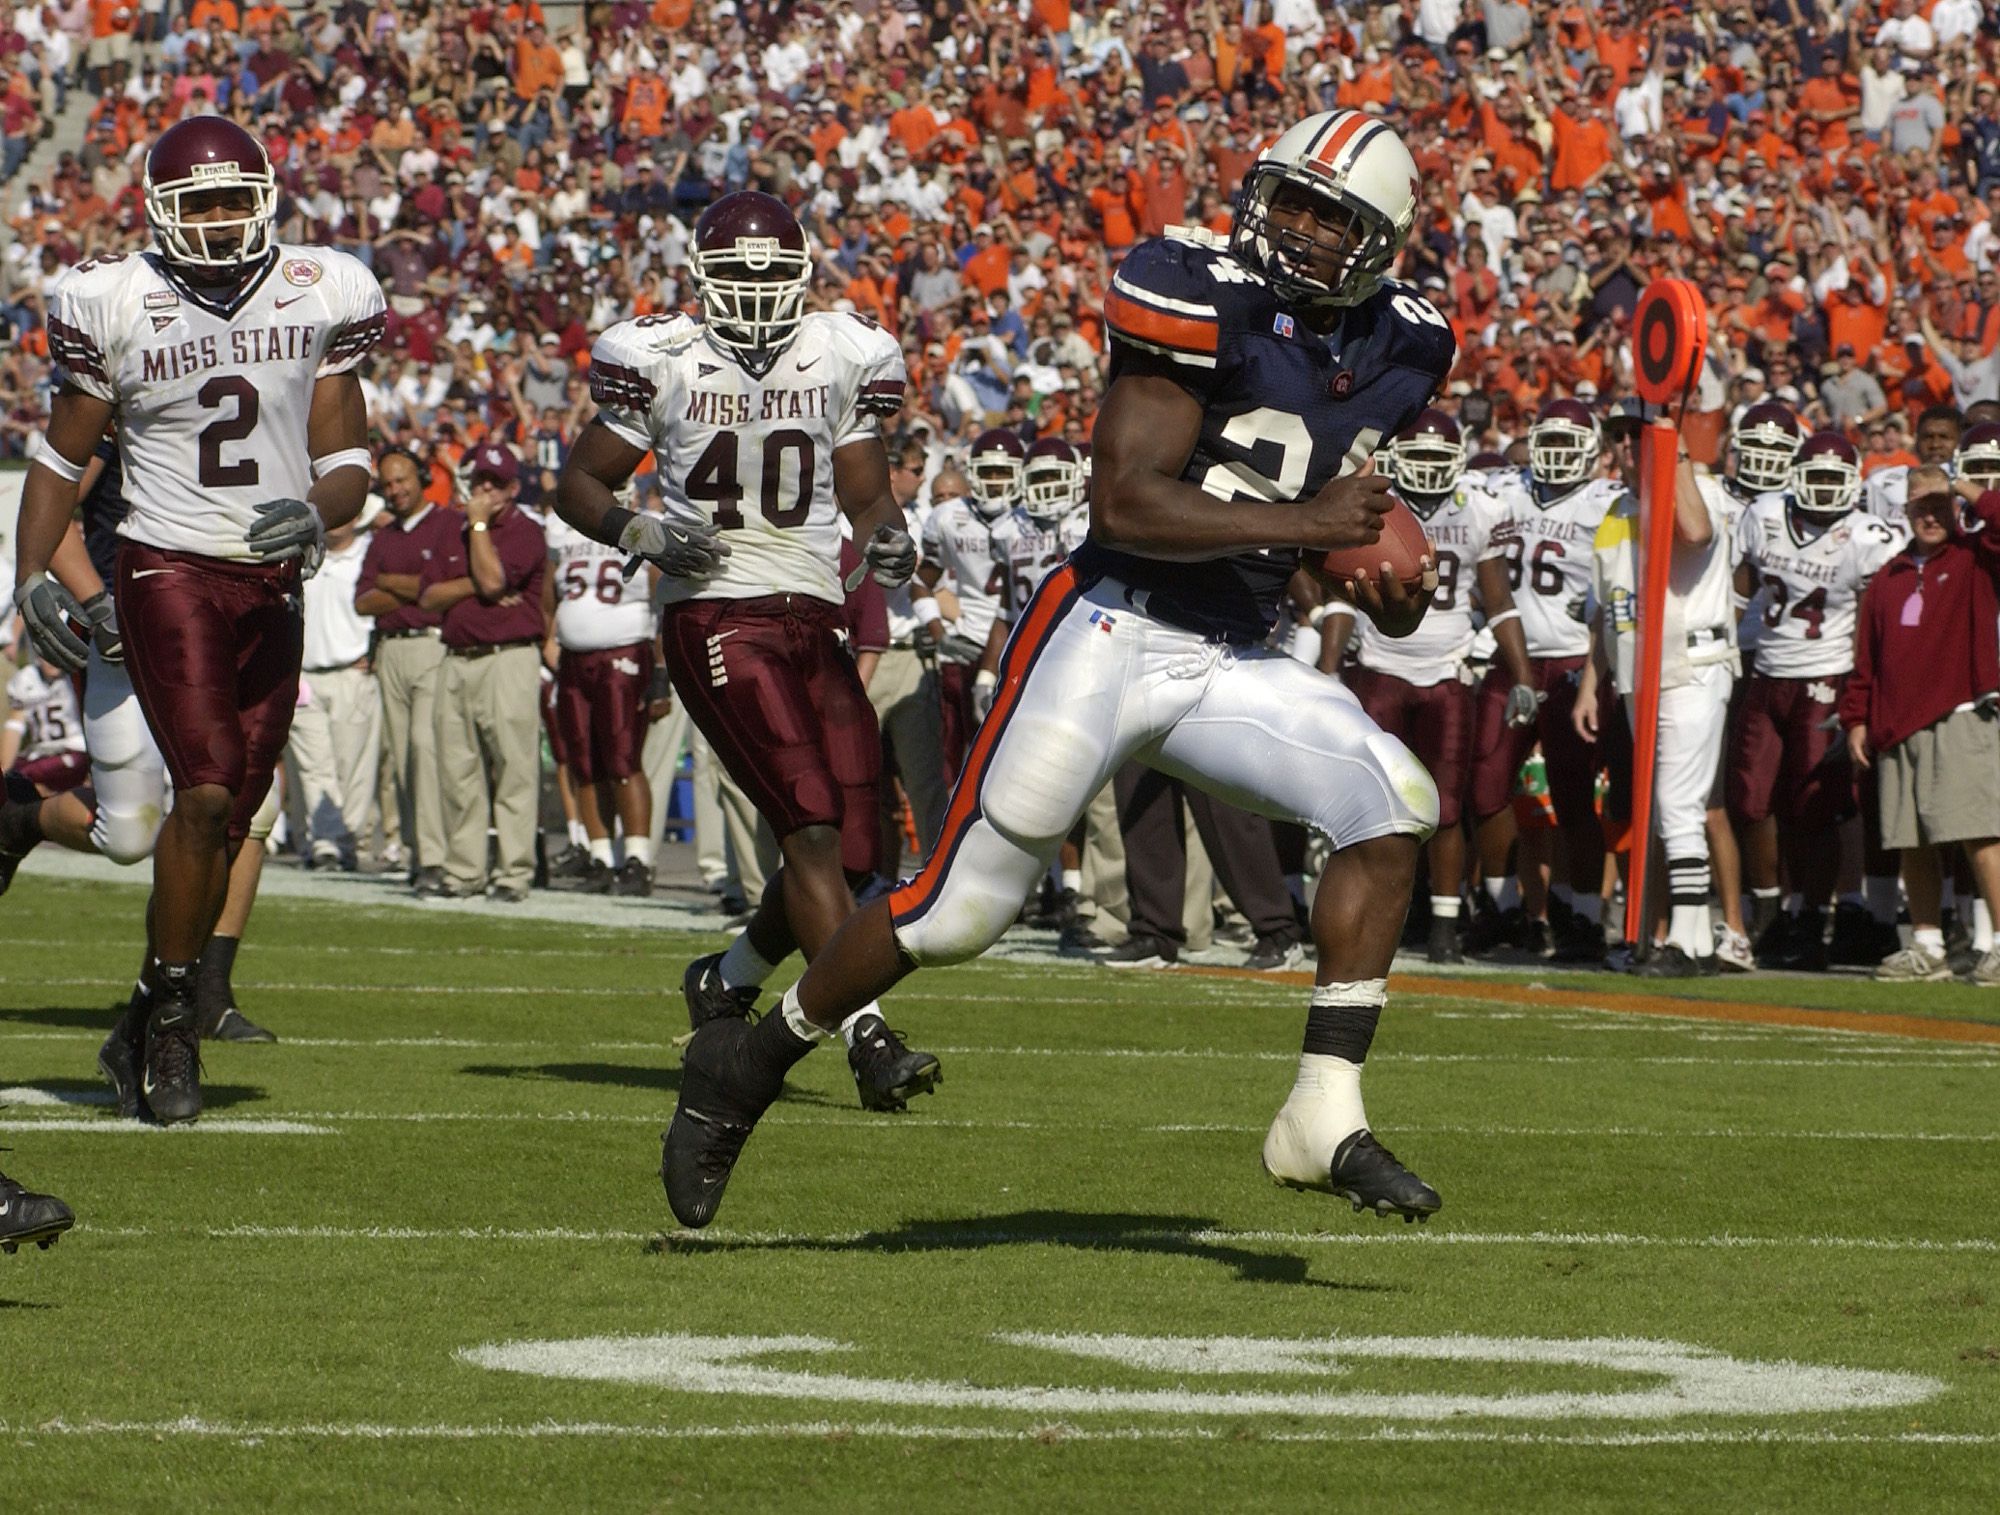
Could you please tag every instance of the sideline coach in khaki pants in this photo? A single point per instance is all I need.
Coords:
(409, 656)
(487, 583)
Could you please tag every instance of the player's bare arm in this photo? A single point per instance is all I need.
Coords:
(1692, 523)
(48, 604)
(861, 485)
(587, 497)
(1145, 434)
(337, 439)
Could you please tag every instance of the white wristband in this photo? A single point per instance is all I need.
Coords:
(59, 465)
(924, 612)
(986, 678)
(1315, 616)
(351, 457)
(1509, 614)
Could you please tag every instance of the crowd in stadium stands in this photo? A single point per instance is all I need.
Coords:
(970, 176)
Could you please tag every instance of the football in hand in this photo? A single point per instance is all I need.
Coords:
(1402, 545)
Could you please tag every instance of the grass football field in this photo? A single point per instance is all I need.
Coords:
(1739, 1252)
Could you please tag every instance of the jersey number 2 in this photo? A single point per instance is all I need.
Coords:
(233, 428)
(715, 478)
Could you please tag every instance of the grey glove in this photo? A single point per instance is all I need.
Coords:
(104, 633)
(1524, 703)
(956, 648)
(681, 552)
(48, 609)
(287, 529)
(891, 556)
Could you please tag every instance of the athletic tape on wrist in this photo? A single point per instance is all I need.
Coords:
(347, 457)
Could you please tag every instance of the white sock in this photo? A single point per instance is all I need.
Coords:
(1322, 1111)
(1504, 892)
(578, 837)
(1930, 938)
(600, 849)
(1982, 927)
(1690, 928)
(742, 967)
(1881, 896)
(852, 1024)
(640, 847)
(1072, 880)
(1444, 907)
(795, 1018)
(1589, 906)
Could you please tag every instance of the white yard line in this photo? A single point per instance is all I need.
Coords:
(208, 1125)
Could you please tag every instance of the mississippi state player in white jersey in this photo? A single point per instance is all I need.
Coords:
(1766, 440)
(966, 537)
(766, 422)
(1942, 437)
(227, 362)
(43, 740)
(1807, 556)
(1553, 512)
(601, 621)
(1418, 688)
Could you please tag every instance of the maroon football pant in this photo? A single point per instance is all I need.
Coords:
(601, 710)
(1433, 720)
(1785, 758)
(774, 691)
(961, 722)
(213, 650)
(1501, 749)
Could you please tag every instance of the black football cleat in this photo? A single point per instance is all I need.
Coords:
(172, 1079)
(1536, 938)
(599, 878)
(26, 1216)
(9, 863)
(1366, 1174)
(887, 1073)
(122, 1061)
(1441, 945)
(708, 998)
(723, 1094)
(231, 1025)
(634, 880)
(1492, 929)
(573, 862)
(1580, 941)
(1672, 962)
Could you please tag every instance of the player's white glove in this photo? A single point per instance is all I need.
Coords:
(984, 688)
(103, 618)
(48, 609)
(680, 552)
(1524, 703)
(891, 556)
(959, 648)
(287, 529)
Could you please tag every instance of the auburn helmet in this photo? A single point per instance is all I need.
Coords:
(1428, 458)
(1359, 181)
(750, 269)
(1978, 455)
(202, 157)
(1051, 480)
(994, 471)
(1564, 443)
(1826, 476)
(1765, 442)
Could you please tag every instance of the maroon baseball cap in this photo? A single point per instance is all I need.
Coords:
(492, 461)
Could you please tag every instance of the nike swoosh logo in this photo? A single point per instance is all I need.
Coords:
(804, 366)
(281, 304)
(147, 573)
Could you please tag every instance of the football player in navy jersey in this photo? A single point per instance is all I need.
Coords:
(1252, 380)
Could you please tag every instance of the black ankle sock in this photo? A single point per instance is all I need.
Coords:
(20, 827)
(212, 989)
(1341, 1030)
(774, 1046)
(173, 981)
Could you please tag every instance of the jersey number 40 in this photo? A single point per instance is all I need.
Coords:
(717, 479)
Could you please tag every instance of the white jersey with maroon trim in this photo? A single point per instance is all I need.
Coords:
(749, 455)
(1810, 575)
(1548, 545)
(973, 551)
(212, 393)
(1886, 491)
(1034, 551)
(1749, 613)
(1461, 530)
(597, 606)
(44, 711)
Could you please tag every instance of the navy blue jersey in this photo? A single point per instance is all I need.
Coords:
(103, 509)
(1286, 409)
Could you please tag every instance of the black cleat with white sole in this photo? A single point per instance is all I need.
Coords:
(231, 1025)
(708, 998)
(1367, 1175)
(26, 1216)
(723, 1095)
(887, 1073)
(172, 1080)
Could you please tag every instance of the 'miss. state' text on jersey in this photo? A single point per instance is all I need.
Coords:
(597, 606)
(1548, 546)
(1460, 528)
(1811, 575)
(751, 456)
(212, 394)
(1035, 551)
(1285, 409)
(44, 710)
(973, 551)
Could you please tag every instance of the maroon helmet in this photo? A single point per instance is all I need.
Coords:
(1429, 456)
(1826, 476)
(994, 469)
(1486, 462)
(1051, 481)
(750, 268)
(1765, 442)
(203, 157)
(1978, 455)
(1564, 443)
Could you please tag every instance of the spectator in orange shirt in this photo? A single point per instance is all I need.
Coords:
(645, 112)
(986, 270)
(206, 11)
(537, 64)
(1830, 101)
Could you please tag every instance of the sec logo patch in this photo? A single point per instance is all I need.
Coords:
(301, 271)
